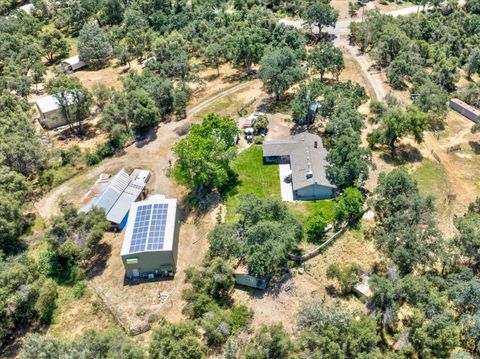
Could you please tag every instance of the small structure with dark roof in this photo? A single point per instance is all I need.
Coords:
(307, 158)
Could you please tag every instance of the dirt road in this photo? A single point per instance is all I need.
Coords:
(196, 109)
(152, 154)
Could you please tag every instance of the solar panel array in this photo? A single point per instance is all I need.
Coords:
(149, 228)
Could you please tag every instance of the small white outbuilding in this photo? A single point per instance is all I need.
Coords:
(72, 64)
(50, 112)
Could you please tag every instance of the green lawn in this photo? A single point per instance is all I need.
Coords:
(303, 209)
(254, 177)
(263, 181)
(432, 179)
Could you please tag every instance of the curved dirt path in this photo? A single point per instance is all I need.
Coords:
(196, 109)
(152, 155)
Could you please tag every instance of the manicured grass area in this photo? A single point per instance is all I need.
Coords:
(253, 177)
(303, 209)
(432, 179)
(263, 181)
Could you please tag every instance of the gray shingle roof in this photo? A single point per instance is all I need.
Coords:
(307, 155)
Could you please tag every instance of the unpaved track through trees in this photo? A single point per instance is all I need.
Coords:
(153, 155)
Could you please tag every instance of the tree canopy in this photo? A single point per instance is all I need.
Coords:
(204, 155)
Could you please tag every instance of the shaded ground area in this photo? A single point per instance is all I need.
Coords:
(284, 298)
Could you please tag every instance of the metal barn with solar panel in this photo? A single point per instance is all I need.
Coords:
(150, 245)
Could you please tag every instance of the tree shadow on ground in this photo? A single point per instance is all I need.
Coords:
(197, 204)
(275, 287)
(475, 147)
(11, 347)
(146, 137)
(281, 106)
(98, 263)
(89, 132)
(405, 154)
(240, 76)
(332, 291)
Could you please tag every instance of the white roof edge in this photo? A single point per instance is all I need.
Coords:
(170, 225)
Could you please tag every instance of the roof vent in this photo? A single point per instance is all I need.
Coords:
(309, 174)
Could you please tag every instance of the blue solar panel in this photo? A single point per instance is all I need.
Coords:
(156, 236)
(149, 228)
(140, 228)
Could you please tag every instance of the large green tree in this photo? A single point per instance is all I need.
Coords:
(279, 70)
(204, 156)
(93, 45)
(54, 45)
(326, 58)
(247, 46)
(468, 236)
(320, 14)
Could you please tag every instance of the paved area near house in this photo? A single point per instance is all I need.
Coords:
(285, 188)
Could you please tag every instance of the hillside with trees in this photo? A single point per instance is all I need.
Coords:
(424, 284)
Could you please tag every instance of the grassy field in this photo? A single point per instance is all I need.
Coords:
(254, 177)
(432, 179)
(73, 315)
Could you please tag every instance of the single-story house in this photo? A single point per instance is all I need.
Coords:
(308, 162)
(72, 64)
(465, 109)
(150, 245)
(50, 112)
(118, 196)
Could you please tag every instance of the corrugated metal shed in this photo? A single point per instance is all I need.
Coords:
(465, 109)
(122, 205)
(120, 193)
(73, 63)
(113, 192)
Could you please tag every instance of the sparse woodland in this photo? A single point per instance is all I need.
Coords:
(426, 289)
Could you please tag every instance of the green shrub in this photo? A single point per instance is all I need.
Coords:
(79, 289)
(92, 159)
(69, 156)
(315, 227)
(45, 304)
(258, 140)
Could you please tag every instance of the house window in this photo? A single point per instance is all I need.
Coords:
(132, 260)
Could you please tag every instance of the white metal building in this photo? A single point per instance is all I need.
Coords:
(150, 245)
(50, 112)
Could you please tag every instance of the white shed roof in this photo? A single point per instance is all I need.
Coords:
(150, 226)
(74, 60)
(50, 103)
(47, 104)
